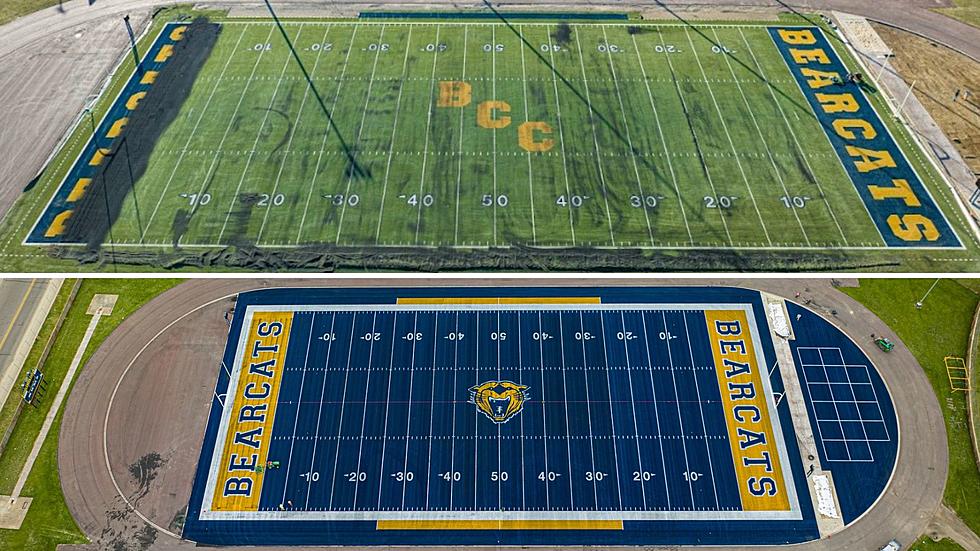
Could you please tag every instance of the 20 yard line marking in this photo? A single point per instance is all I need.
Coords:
(629, 139)
(391, 146)
(792, 132)
(728, 134)
(323, 144)
(428, 128)
(343, 403)
(255, 143)
(323, 388)
(190, 136)
(758, 129)
(367, 388)
(663, 141)
(595, 141)
(653, 390)
(292, 134)
(360, 132)
(636, 428)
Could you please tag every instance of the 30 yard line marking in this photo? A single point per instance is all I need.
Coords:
(755, 122)
(360, 132)
(411, 384)
(731, 142)
(323, 144)
(197, 124)
(663, 141)
(694, 136)
(588, 405)
(459, 167)
(612, 416)
(292, 134)
(428, 128)
(629, 139)
(391, 364)
(595, 142)
(561, 141)
(530, 174)
(323, 388)
(391, 146)
(432, 410)
(255, 143)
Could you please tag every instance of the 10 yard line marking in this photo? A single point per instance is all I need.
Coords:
(663, 141)
(299, 403)
(255, 143)
(629, 140)
(292, 134)
(704, 428)
(197, 124)
(765, 145)
(680, 417)
(360, 131)
(391, 146)
(323, 388)
(728, 134)
(425, 150)
(595, 141)
(323, 144)
(796, 140)
(530, 174)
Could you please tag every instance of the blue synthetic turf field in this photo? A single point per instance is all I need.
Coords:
(605, 423)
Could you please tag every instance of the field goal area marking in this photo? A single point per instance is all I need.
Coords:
(788, 481)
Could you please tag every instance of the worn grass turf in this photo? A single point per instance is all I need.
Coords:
(926, 544)
(940, 328)
(967, 11)
(49, 522)
(12, 9)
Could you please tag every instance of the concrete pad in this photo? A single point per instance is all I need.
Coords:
(102, 305)
(13, 511)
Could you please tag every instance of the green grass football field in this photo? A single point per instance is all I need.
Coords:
(693, 145)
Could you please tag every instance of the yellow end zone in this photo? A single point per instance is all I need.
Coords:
(501, 300)
(754, 451)
(57, 226)
(247, 442)
(79, 190)
(500, 525)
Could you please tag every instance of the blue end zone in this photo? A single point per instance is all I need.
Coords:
(625, 406)
(900, 205)
(100, 140)
(849, 407)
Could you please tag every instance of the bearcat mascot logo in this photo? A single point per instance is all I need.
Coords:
(499, 400)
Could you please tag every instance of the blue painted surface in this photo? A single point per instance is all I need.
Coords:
(845, 392)
(81, 169)
(432, 399)
(880, 210)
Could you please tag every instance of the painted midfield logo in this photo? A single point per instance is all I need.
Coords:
(499, 400)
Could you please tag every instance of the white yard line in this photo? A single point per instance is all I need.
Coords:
(432, 410)
(459, 168)
(612, 416)
(408, 416)
(588, 407)
(677, 402)
(544, 417)
(636, 428)
(197, 124)
(316, 436)
(595, 141)
(326, 134)
(493, 132)
(299, 404)
(704, 428)
(384, 438)
(425, 150)
(653, 390)
(561, 141)
(360, 131)
(391, 146)
(564, 386)
(367, 389)
(663, 141)
(452, 431)
(343, 403)
(765, 144)
(530, 174)
(697, 143)
(731, 142)
(292, 134)
(255, 143)
(796, 140)
(629, 139)
(55, 406)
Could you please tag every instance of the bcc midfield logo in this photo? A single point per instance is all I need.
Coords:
(499, 400)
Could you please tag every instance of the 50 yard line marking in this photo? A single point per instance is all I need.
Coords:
(323, 144)
(255, 143)
(731, 142)
(197, 124)
(391, 146)
(292, 134)
(428, 127)
(360, 131)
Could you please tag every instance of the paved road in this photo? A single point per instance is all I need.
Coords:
(52, 61)
(903, 512)
(19, 298)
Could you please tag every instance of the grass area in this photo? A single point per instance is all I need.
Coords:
(12, 9)
(48, 522)
(967, 11)
(926, 544)
(940, 328)
(644, 135)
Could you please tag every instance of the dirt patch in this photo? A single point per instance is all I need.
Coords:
(130, 154)
(939, 73)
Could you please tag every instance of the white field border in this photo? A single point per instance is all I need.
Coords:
(789, 482)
